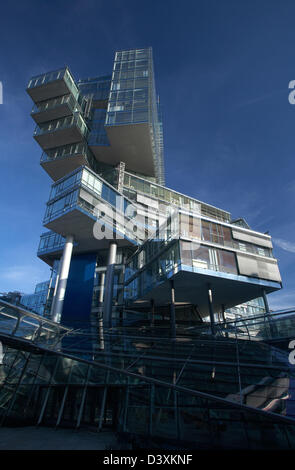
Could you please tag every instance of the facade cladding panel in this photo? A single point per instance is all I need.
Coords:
(255, 267)
(252, 238)
(78, 297)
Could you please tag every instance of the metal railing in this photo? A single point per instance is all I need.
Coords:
(60, 124)
(16, 321)
(267, 326)
(50, 241)
(210, 370)
(54, 103)
(47, 77)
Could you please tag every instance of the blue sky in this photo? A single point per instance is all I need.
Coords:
(222, 72)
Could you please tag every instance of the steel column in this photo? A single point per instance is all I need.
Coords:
(63, 278)
(109, 285)
(211, 312)
(172, 310)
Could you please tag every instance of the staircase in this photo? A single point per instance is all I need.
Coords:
(192, 391)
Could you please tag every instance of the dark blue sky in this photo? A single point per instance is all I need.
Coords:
(222, 72)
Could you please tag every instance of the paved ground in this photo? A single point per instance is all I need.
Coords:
(33, 438)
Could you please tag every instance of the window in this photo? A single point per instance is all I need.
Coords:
(242, 247)
(261, 251)
(228, 261)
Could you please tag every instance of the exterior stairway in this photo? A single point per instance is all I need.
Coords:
(188, 392)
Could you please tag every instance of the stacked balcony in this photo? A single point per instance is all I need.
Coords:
(51, 85)
(55, 108)
(65, 131)
(50, 247)
(75, 206)
(59, 120)
(60, 161)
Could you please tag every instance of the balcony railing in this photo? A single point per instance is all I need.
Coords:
(65, 151)
(54, 103)
(66, 196)
(59, 124)
(174, 198)
(237, 246)
(18, 322)
(50, 241)
(47, 78)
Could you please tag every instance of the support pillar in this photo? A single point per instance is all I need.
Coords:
(55, 290)
(101, 288)
(63, 278)
(224, 319)
(172, 310)
(211, 313)
(108, 286)
(222, 313)
(272, 324)
(152, 312)
(265, 301)
(100, 311)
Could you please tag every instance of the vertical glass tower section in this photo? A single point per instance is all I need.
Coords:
(133, 100)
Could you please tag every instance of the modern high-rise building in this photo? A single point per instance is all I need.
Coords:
(155, 318)
(120, 237)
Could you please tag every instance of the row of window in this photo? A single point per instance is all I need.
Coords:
(130, 84)
(201, 256)
(50, 242)
(130, 64)
(58, 124)
(129, 95)
(152, 274)
(61, 205)
(211, 232)
(65, 184)
(159, 192)
(131, 74)
(128, 105)
(70, 149)
(127, 117)
(132, 54)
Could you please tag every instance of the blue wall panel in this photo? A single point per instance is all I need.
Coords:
(78, 296)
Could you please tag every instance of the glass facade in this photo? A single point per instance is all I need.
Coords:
(129, 97)
(73, 192)
(40, 301)
(184, 242)
(50, 241)
(98, 135)
(61, 74)
(192, 402)
(134, 184)
(204, 257)
(133, 99)
(97, 89)
(217, 234)
(253, 307)
(68, 100)
(64, 123)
